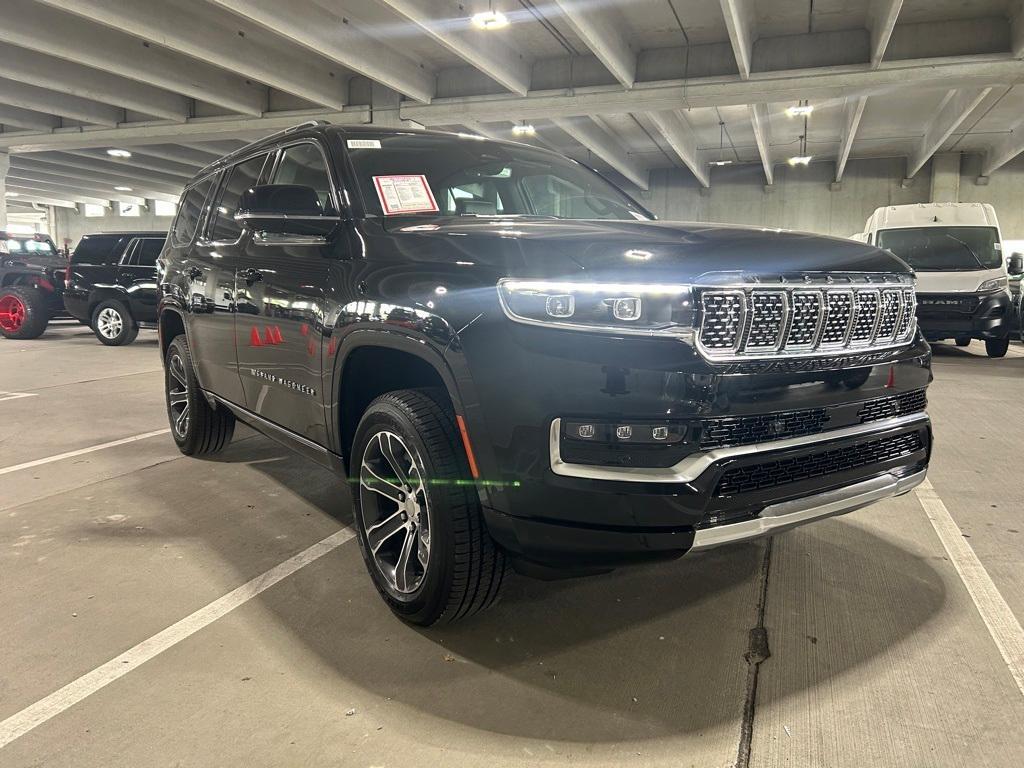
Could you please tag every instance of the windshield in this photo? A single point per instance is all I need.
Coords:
(29, 245)
(450, 175)
(945, 249)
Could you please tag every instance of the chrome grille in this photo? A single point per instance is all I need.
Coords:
(756, 322)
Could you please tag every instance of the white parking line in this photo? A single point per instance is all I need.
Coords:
(36, 714)
(995, 612)
(81, 451)
(15, 395)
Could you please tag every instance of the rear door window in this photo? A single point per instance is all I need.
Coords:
(240, 178)
(191, 211)
(99, 249)
(147, 251)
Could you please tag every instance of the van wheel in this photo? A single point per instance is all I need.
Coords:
(997, 347)
(197, 429)
(113, 324)
(419, 523)
(23, 312)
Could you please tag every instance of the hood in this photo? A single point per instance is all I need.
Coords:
(648, 250)
(956, 282)
(34, 262)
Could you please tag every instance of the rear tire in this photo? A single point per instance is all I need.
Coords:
(997, 347)
(197, 429)
(113, 324)
(415, 487)
(24, 313)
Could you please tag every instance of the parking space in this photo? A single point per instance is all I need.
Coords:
(876, 653)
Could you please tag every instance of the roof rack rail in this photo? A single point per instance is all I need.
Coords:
(275, 135)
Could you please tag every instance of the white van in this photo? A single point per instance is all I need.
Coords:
(956, 250)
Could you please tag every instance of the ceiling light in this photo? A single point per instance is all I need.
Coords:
(119, 153)
(10, 194)
(523, 130)
(801, 111)
(799, 160)
(123, 189)
(489, 20)
(720, 162)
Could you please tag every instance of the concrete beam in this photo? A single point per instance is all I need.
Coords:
(590, 135)
(72, 188)
(64, 179)
(597, 26)
(1004, 150)
(817, 84)
(32, 197)
(43, 189)
(16, 117)
(679, 135)
(50, 102)
(158, 157)
(339, 39)
(29, 25)
(852, 113)
(447, 24)
(741, 21)
(69, 163)
(138, 162)
(760, 122)
(44, 71)
(35, 166)
(5, 163)
(189, 27)
(953, 110)
(196, 129)
(882, 15)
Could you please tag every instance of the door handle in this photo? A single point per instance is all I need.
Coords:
(194, 273)
(251, 276)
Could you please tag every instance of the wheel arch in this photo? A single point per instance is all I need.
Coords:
(171, 323)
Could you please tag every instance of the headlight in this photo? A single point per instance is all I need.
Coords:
(643, 309)
(993, 285)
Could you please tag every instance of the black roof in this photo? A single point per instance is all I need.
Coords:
(128, 233)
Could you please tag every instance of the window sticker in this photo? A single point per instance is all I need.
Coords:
(405, 194)
(363, 143)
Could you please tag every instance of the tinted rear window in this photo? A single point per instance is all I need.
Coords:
(190, 211)
(99, 249)
(147, 251)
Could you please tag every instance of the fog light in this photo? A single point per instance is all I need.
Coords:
(624, 432)
(626, 309)
(585, 431)
(660, 433)
(560, 306)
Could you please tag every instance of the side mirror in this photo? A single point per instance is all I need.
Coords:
(286, 214)
(1015, 266)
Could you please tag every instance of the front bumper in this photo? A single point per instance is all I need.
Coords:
(974, 315)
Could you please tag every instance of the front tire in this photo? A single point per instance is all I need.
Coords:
(113, 324)
(997, 347)
(23, 312)
(197, 429)
(419, 522)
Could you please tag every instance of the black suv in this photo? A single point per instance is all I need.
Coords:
(111, 283)
(513, 363)
(31, 279)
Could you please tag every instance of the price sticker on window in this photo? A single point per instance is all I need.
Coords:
(405, 194)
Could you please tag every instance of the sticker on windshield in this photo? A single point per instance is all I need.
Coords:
(405, 194)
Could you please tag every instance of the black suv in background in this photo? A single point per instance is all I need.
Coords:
(513, 363)
(111, 283)
(31, 279)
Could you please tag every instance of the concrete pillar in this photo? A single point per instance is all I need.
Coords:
(946, 178)
(5, 164)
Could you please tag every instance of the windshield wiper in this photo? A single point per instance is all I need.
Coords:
(969, 250)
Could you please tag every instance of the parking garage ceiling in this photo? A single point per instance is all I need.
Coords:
(624, 85)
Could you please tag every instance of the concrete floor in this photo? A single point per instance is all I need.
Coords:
(878, 655)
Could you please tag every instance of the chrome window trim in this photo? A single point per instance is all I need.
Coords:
(282, 238)
(694, 465)
(788, 514)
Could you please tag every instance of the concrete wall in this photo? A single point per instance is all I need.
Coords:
(70, 225)
(802, 199)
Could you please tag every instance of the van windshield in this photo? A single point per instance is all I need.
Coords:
(452, 175)
(945, 249)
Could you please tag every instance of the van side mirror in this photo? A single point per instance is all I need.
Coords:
(1015, 266)
(286, 213)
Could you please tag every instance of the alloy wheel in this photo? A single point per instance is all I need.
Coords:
(12, 313)
(395, 513)
(177, 396)
(109, 323)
